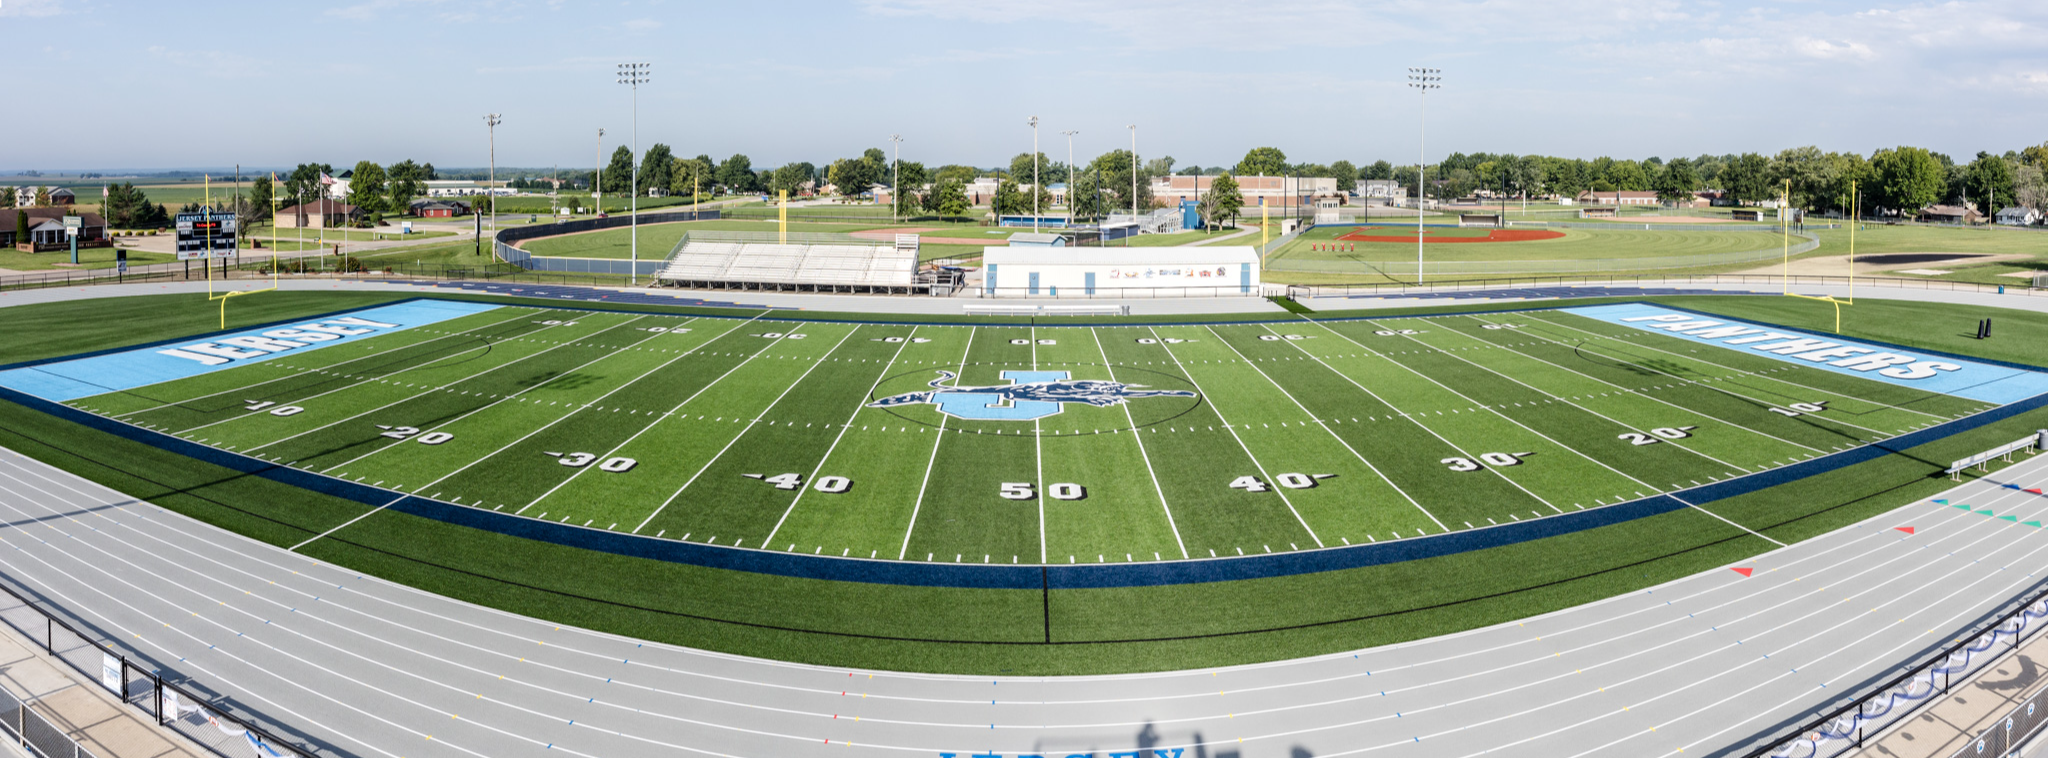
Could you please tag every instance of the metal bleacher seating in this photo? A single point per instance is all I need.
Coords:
(806, 266)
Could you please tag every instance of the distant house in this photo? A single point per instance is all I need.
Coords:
(26, 196)
(62, 196)
(2018, 215)
(439, 208)
(1619, 197)
(46, 229)
(320, 213)
(1950, 214)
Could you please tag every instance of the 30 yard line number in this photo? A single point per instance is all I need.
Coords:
(614, 465)
(1489, 460)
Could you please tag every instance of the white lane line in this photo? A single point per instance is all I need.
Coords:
(1140, 439)
(1218, 410)
(822, 359)
(1326, 427)
(813, 478)
(658, 419)
(294, 375)
(365, 514)
(934, 460)
(1724, 519)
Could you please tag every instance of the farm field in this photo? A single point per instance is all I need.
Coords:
(1127, 444)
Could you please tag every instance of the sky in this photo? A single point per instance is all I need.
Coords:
(161, 85)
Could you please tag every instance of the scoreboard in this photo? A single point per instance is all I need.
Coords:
(205, 235)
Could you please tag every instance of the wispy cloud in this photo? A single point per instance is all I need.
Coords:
(218, 64)
(32, 8)
(642, 25)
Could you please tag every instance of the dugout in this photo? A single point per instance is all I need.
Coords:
(1740, 215)
(1480, 219)
(1598, 212)
(1120, 272)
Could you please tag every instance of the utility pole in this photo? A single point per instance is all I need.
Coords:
(895, 175)
(1423, 80)
(492, 121)
(1071, 215)
(1034, 173)
(635, 74)
(597, 186)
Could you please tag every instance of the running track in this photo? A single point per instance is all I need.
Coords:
(358, 666)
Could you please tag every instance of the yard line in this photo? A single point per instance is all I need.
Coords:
(1741, 371)
(346, 387)
(1326, 427)
(743, 432)
(929, 464)
(658, 419)
(480, 408)
(1141, 449)
(1731, 393)
(247, 387)
(1410, 418)
(1718, 516)
(1233, 435)
(1561, 399)
(366, 514)
(1038, 447)
(1648, 396)
(879, 376)
(431, 390)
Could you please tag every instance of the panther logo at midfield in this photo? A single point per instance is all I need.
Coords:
(1029, 395)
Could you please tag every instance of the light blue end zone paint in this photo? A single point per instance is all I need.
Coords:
(1969, 379)
(114, 372)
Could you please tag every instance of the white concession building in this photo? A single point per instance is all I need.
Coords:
(1119, 272)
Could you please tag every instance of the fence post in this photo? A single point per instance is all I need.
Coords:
(49, 628)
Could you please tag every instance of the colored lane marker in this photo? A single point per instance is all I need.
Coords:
(1744, 571)
(1906, 529)
(2035, 490)
(2035, 524)
(1987, 512)
(1943, 502)
(2014, 519)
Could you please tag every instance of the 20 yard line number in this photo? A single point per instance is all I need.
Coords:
(1657, 435)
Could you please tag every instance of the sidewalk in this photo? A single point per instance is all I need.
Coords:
(1954, 721)
(85, 711)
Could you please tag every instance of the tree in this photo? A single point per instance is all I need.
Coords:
(1677, 181)
(42, 197)
(1229, 201)
(1531, 174)
(947, 198)
(1084, 195)
(736, 174)
(657, 167)
(789, 178)
(2030, 186)
(21, 228)
(687, 176)
(909, 184)
(1809, 172)
(1020, 167)
(852, 176)
(1159, 167)
(1379, 170)
(1116, 175)
(1991, 182)
(260, 193)
(1627, 175)
(366, 189)
(1009, 200)
(1345, 174)
(1263, 161)
(955, 172)
(1747, 179)
(1189, 171)
(618, 174)
(407, 181)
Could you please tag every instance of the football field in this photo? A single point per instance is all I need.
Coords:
(1030, 445)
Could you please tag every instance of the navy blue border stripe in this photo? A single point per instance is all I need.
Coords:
(1096, 576)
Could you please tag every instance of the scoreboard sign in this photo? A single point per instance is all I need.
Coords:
(205, 235)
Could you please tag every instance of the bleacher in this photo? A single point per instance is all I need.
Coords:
(808, 266)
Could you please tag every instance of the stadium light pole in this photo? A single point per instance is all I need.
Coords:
(635, 74)
(1070, 175)
(492, 121)
(1423, 80)
(895, 176)
(597, 185)
(1134, 184)
(1034, 174)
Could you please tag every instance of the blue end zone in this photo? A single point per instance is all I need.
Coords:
(1903, 367)
(125, 370)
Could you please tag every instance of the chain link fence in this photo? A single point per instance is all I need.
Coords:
(1405, 269)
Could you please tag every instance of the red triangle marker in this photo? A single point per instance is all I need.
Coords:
(1906, 529)
(2036, 490)
(1744, 571)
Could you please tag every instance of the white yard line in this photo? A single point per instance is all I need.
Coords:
(481, 408)
(366, 514)
(1038, 447)
(1140, 439)
(1689, 504)
(1326, 427)
(1880, 434)
(1642, 394)
(883, 374)
(1789, 383)
(247, 387)
(1411, 418)
(1561, 399)
(1218, 410)
(658, 419)
(432, 390)
(743, 432)
(934, 460)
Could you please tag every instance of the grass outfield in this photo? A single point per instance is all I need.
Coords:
(1577, 244)
(776, 405)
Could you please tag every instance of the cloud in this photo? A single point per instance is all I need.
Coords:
(642, 25)
(31, 8)
(217, 64)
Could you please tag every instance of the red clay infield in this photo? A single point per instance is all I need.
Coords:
(1495, 235)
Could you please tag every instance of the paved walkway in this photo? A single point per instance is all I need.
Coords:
(85, 711)
(1953, 722)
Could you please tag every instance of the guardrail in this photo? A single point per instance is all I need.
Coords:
(34, 734)
(175, 707)
(2037, 440)
(1846, 728)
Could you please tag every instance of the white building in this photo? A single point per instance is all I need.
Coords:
(2018, 215)
(1119, 272)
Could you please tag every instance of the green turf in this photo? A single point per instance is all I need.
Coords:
(14, 259)
(607, 385)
